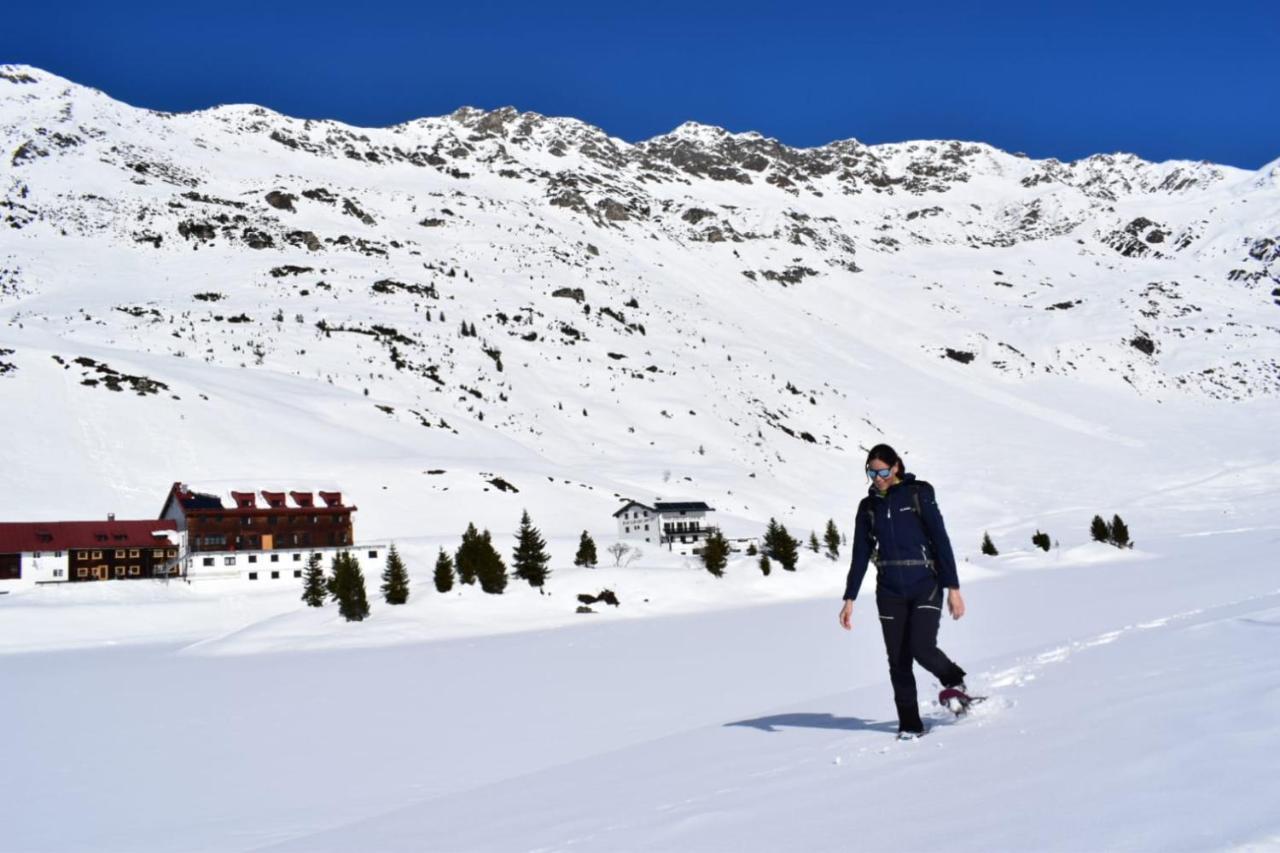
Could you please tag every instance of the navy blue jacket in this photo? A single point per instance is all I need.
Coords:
(903, 540)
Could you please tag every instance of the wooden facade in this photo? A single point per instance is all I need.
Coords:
(61, 551)
(248, 526)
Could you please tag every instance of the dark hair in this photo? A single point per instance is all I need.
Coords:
(888, 456)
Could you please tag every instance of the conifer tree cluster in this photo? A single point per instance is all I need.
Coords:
(781, 546)
(478, 560)
(467, 331)
(831, 538)
(443, 574)
(989, 547)
(530, 557)
(395, 579)
(314, 588)
(1114, 533)
(347, 587)
(715, 553)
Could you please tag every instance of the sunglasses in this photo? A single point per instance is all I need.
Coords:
(882, 473)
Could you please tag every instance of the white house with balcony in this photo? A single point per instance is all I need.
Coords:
(680, 525)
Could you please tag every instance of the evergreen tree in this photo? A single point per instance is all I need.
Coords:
(466, 558)
(1120, 533)
(443, 575)
(752, 550)
(787, 549)
(1100, 530)
(490, 570)
(395, 579)
(586, 555)
(813, 541)
(313, 583)
(988, 547)
(1040, 540)
(832, 539)
(771, 537)
(348, 582)
(530, 557)
(765, 565)
(715, 553)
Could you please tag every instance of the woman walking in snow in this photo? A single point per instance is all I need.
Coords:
(899, 523)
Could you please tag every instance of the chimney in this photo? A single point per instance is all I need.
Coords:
(111, 516)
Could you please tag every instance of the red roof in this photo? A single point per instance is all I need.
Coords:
(24, 536)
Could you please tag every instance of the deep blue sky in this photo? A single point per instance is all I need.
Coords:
(1169, 79)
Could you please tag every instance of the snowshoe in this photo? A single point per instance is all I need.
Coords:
(957, 701)
(910, 735)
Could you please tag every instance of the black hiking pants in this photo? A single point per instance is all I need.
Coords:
(910, 625)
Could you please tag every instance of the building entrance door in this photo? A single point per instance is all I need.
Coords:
(100, 573)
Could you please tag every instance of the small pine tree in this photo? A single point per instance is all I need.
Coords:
(813, 542)
(1099, 530)
(1040, 540)
(752, 550)
(395, 579)
(314, 587)
(1120, 533)
(832, 539)
(787, 549)
(989, 547)
(771, 537)
(443, 575)
(586, 555)
(490, 570)
(348, 582)
(765, 565)
(466, 558)
(715, 553)
(530, 556)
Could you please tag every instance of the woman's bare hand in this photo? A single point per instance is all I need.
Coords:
(846, 615)
(955, 603)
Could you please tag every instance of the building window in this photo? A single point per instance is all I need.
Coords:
(173, 570)
(275, 576)
(157, 554)
(208, 561)
(57, 573)
(646, 527)
(133, 553)
(120, 554)
(253, 576)
(273, 520)
(297, 573)
(253, 558)
(228, 561)
(57, 553)
(172, 552)
(135, 570)
(297, 557)
(82, 555)
(247, 521)
(275, 558)
(82, 572)
(119, 571)
(373, 555)
(97, 555)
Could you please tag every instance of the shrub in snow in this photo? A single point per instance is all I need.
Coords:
(395, 579)
(752, 550)
(988, 547)
(530, 556)
(765, 565)
(1120, 533)
(715, 553)
(619, 550)
(1041, 540)
(443, 575)
(586, 555)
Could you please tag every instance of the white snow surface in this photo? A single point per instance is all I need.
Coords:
(1122, 322)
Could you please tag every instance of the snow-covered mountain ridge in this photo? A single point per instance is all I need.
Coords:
(507, 294)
